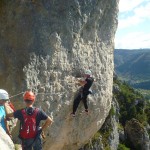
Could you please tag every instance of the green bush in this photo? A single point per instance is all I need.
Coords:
(129, 108)
(112, 111)
(142, 117)
(122, 147)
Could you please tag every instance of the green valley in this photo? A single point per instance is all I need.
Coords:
(133, 66)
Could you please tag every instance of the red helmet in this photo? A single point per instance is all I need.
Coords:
(29, 95)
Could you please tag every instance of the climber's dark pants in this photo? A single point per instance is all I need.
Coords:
(28, 144)
(77, 100)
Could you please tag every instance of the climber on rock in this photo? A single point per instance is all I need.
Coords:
(4, 97)
(84, 91)
(30, 118)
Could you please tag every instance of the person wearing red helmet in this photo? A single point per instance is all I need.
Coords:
(30, 118)
(29, 95)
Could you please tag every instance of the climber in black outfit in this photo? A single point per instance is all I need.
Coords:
(83, 92)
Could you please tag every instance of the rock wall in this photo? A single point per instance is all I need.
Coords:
(108, 135)
(113, 139)
(5, 141)
(44, 45)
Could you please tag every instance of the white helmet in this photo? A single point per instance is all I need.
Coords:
(88, 72)
(3, 95)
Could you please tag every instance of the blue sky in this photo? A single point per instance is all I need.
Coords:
(133, 24)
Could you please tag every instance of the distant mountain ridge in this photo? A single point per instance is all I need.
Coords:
(133, 66)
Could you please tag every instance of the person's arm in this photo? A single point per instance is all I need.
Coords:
(10, 115)
(7, 128)
(81, 82)
(47, 123)
(5, 120)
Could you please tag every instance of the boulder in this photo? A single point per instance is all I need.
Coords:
(137, 135)
(5, 141)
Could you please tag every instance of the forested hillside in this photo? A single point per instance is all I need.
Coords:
(133, 66)
(130, 113)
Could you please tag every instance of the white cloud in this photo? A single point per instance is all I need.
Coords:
(133, 40)
(134, 15)
(143, 11)
(128, 5)
(129, 21)
(139, 14)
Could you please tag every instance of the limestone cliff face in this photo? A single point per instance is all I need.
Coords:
(44, 45)
(108, 136)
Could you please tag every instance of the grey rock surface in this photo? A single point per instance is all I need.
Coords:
(5, 141)
(44, 45)
(97, 145)
(114, 121)
(108, 136)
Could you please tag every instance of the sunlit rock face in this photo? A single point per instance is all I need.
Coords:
(5, 141)
(44, 45)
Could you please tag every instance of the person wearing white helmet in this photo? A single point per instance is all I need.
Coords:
(3, 122)
(88, 73)
(83, 92)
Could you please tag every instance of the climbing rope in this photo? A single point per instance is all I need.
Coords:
(49, 93)
(68, 82)
(38, 94)
(16, 95)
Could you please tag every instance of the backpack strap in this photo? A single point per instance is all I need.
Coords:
(23, 115)
(35, 111)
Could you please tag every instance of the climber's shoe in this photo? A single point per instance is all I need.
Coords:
(73, 114)
(86, 111)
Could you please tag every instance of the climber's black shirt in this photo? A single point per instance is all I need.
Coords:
(89, 83)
